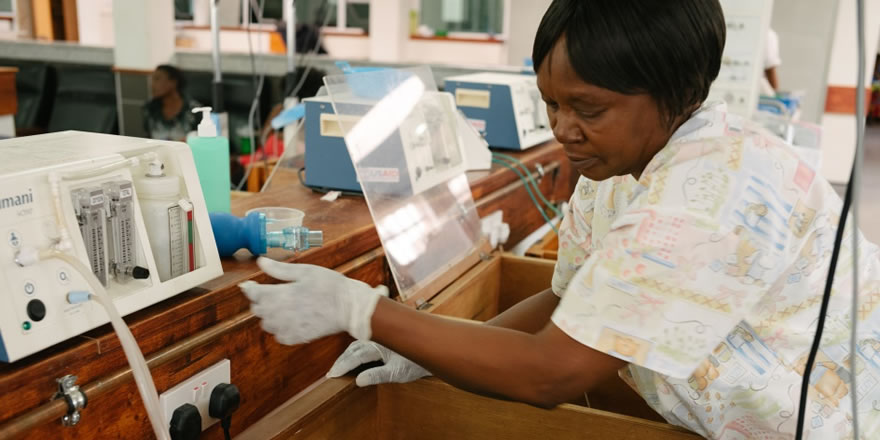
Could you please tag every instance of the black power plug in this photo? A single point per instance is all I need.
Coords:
(225, 399)
(186, 423)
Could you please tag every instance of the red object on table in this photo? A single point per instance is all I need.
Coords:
(274, 147)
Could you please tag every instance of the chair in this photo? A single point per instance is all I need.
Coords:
(35, 87)
(85, 101)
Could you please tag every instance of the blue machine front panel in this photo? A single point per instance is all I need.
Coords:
(499, 117)
(328, 164)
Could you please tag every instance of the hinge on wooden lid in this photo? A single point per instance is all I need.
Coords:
(422, 304)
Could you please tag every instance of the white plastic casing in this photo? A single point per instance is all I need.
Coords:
(27, 220)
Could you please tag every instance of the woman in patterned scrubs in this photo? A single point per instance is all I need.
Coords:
(692, 257)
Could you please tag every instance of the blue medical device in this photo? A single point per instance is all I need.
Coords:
(328, 164)
(505, 108)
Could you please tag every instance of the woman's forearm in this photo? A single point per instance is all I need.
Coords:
(542, 370)
(529, 315)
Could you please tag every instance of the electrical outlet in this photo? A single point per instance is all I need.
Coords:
(196, 391)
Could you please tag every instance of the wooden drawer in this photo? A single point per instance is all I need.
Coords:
(492, 286)
(429, 408)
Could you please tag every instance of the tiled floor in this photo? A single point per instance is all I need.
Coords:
(869, 206)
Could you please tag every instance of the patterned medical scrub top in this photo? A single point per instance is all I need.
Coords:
(706, 275)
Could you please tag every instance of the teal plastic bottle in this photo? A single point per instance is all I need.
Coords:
(211, 154)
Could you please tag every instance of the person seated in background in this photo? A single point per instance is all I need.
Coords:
(168, 116)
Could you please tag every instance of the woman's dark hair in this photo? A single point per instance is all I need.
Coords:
(174, 74)
(668, 49)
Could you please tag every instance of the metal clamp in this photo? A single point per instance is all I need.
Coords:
(540, 169)
(75, 398)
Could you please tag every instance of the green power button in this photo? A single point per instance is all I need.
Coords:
(26, 325)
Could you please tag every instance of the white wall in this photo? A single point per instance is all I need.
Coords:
(228, 12)
(95, 21)
(389, 29)
(806, 33)
(525, 16)
(454, 52)
(838, 130)
(145, 36)
(234, 41)
(347, 47)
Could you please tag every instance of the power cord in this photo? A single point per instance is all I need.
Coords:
(283, 157)
(225, 399)
(856, 182)
(531, 179)
(529, 190)
(259, 91)
(314, 52)
(226, 424)
(852, 191)
(823, 310)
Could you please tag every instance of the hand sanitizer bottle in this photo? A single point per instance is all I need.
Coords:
(211, 154)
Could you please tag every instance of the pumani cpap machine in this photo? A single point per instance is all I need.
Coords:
(129, 211)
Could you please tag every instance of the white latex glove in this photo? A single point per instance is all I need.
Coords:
(317, 302)
(397, 369)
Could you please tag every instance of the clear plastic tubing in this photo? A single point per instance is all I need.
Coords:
(139, 368)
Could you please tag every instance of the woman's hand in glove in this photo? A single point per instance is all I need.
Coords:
(316, 302)
(396, 368)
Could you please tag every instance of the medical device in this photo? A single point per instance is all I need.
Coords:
(128, 210)
(506, 109)
(428, 224)
(329, 165)
(255, 233)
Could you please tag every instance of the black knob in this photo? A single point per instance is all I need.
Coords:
(186, 423)
(36, 310)
(225, 399)
(140, 273)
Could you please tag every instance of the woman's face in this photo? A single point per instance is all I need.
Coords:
(604, 133)
(162, 85)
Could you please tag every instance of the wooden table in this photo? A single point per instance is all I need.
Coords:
(267, 373)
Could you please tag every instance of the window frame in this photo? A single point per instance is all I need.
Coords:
(10, 14)
(341, 16)
(503, 35)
